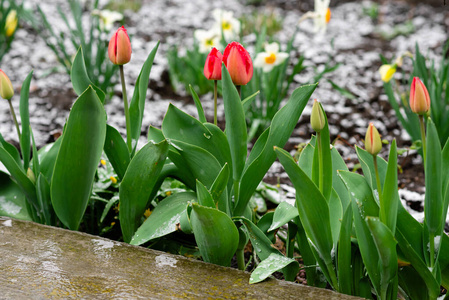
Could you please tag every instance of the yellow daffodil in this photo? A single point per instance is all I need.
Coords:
(11, 23)
(387, 72)
(270, 58)
(226, 24)
(147, 213)
(207, 39)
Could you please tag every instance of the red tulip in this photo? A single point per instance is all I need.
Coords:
(119, 49)
(212, 67)
(239, 63)
(419, 97)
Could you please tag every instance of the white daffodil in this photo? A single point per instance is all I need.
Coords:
(226, 23)
(270, 58)
(107, 18)
(207, 39)
(322, 15)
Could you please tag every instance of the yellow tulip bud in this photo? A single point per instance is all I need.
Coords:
(387, 72)
(11, 23)
(6, 89)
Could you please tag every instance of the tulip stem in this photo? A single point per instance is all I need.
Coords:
(215, 101)
(125, 102)
(423, 139)
(379, 188)
(14, 118)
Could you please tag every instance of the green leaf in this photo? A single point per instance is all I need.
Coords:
(25, 120)
(215, 234)
(339, 164)
(312, 207)
(164, 218)
(137, 185)
(264, 224)
(219, 192)
(248, 100)
(80, 78)
(47, 157)
(235, 125)
(335, 216)
(345, 274)
(155, 135)
(12, 200)
(199, 106)
(78, 157)
(361, 191)
(203, 195)
(433, 287)
(263, 247)
(178, 125)
(283, 214)
(13, 152)
(386, 247)
(262, 155)
(116, 151)
(19, 176)
(137, 105)
(273, 263)
(203, 165)
(43, 196)
(433, 202)
(366, 245)
(306, 159)
(390, 197)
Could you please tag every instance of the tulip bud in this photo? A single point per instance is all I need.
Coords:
(6, 89)
(419, 97)
(119, 49)
(317, 117)
(239, 63)
(212, 67)
(11, 23)
(373, 143)
(387, 72)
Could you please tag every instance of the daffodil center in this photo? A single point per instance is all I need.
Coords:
(209, 42)
(270, 59)
(226, 25)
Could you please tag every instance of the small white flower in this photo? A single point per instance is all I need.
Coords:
(207, 39)
(270, 58)
(321, 15)
(226, 23)
(107, 18)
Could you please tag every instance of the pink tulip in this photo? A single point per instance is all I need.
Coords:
(119, 49)
(419, 97)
